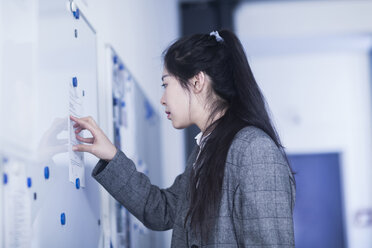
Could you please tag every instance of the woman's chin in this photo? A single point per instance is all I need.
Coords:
(178, 125)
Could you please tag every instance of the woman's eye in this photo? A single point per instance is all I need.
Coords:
(164, 85)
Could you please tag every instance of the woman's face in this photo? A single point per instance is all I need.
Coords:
(176, 101)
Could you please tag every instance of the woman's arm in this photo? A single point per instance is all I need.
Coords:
(154, 207)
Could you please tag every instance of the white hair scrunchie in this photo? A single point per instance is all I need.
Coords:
(217, 35)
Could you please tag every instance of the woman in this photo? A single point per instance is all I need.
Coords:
(237, 189)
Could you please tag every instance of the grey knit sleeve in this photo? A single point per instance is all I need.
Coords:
(154, 207)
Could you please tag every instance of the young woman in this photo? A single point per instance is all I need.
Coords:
(237, 189)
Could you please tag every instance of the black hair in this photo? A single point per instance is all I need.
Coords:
(239, 98)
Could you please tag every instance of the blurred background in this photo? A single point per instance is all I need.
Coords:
(311, 58)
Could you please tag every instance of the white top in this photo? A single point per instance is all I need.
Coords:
(199, 141)
(198, 138)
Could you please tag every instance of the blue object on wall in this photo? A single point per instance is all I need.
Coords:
(77, 183)
(318, 213)
(5, 178)
(46, 172)
(115, 59)
(63, 219)
(29, 182)
(74, 82)
(76, 13)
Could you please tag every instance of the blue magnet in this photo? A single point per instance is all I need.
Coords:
(77, 183)
(5, 178)
(63, 219)
(46, 172)
(115, 101)
(29, 182)
(74, 82)
(76, 14)
(115, 59)
(121, 67)
(122, 104)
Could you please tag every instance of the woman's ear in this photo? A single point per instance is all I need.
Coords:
(198, 82)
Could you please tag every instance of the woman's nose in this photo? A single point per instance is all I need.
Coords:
(162, 100)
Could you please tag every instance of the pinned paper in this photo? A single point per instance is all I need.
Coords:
(17, 206)
(76, 169)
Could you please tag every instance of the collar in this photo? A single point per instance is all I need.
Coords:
(199, 138)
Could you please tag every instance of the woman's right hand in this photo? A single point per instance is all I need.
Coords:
(100, 145)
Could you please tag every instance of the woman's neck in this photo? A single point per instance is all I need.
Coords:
(207, 122)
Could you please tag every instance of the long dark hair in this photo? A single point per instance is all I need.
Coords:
(240, 98)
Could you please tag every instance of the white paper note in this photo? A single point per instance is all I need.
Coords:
(76, 169)
(17, 206)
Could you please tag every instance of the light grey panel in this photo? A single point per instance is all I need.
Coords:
(138, 136)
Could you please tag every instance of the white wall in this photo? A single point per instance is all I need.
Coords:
(312, 61)
(285, 19)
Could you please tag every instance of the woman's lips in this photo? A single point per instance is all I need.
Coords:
(168, 114)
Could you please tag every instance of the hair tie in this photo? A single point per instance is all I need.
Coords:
(217, 35)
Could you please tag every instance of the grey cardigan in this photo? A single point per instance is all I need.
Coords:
(257, 196)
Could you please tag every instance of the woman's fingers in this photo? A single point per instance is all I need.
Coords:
(89, 120)
(78, 130)
(73, 118)
(98, 145)
(82, 148)
(86, 123)
(85, 140)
